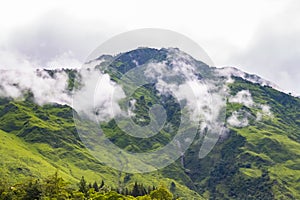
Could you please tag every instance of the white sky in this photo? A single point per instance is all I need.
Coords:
(258, 36)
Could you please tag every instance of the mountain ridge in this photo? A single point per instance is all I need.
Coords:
(257, 160)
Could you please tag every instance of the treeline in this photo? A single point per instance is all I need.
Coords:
(55, 187)
(136, 190)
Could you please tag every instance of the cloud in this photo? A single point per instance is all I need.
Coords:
(65, 60)
(98, 97)
(204, 98)
(238, 119)
(15, 60)
(55, 38)
(179, 76)
(230, 72)
(45, 88)
(53, 41)
(274, 50)
(243, 97)
(241, 117)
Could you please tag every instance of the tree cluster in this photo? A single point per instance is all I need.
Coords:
(55, 187)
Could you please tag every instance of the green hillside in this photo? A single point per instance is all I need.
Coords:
(37, 141)
(260, 160)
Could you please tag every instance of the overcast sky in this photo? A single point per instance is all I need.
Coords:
(257, 36)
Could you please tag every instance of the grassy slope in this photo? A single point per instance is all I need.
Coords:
(19, 160)
(276, 139)
(256, 162)
(37, 141)
(260, 161)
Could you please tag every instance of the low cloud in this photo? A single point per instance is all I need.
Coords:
(231, 72)
(241, 117)
(205, 98)
(98, 97)
(238, 119)
(179, 77)
(243, 97)
(65, 60)
(45, 88)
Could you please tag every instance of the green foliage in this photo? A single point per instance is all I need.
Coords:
(123, 62)
(161, 193)
(73, 79)
(83, 188)
(138, 190)
(96, 187)
(55, 187)
(33, 190)
(40, 140)
(260, 161)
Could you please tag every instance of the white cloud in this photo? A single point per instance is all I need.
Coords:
(46, 89)
(273, 52)
(55, 37)
(98, 97)
(230, 72)
(65, 60)
(205, 99)
(228, 31)
(14, 60)
(238, 119)
(243, 97)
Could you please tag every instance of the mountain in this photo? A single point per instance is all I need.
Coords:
(246, 146)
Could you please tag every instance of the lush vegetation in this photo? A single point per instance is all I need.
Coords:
(39, 140)
(259, 161)
(55, 187)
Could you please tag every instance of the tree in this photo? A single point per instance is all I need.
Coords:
(54, 187)
(146, 197)
(173, 187)
(138, 190)
(83, 186)
(135, 191)
(95, 186)
(102, 184)
(126, 192)
(162, 193)
(33, 190)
